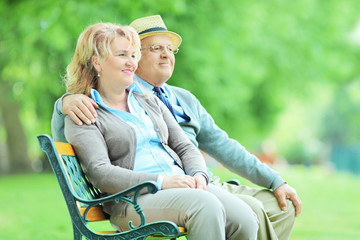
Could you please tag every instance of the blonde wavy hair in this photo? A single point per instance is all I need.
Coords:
(95, 40)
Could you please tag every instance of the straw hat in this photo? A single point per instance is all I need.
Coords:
(152, 25)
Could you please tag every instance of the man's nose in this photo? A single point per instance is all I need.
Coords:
(165, 53)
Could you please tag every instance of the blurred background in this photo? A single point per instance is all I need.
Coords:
(281, 77)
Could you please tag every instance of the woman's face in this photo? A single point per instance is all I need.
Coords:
(117, 70)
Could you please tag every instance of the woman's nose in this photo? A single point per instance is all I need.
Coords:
(131, 63)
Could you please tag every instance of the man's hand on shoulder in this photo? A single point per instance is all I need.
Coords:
(80, 108)
(284, 192)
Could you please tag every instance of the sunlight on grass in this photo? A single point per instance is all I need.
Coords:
(34, 209)
(330, 202)
(33, 206)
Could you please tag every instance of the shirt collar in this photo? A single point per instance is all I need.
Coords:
(147, 86)
(95, 95)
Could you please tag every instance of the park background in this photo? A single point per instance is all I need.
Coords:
(281, 77)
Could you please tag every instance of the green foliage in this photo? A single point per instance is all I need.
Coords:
(341, 118)
(244, 60)
(339, 129)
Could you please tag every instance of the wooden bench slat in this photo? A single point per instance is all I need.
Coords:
(64, 148)
(181, 230)
(107, 232)
(94, 214)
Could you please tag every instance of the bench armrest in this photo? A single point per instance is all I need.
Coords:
(129, 195)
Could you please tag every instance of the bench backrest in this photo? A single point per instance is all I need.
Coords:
(76, 177)
(71, 178)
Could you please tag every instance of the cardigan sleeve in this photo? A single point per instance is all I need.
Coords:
(93, 153)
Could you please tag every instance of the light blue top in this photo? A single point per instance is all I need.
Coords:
(151, 157)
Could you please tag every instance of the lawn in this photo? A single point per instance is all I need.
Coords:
(330, 203)
(32, 206)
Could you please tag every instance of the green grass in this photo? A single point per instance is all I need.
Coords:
(330, 202)
(32, 206)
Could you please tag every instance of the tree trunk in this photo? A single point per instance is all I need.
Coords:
(4, 161)
(19, 161)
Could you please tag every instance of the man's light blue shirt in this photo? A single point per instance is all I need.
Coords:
(179, 112)
(151, 157)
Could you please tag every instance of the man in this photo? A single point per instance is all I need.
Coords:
(276, 210)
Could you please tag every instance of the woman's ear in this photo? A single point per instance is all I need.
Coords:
(96, 63)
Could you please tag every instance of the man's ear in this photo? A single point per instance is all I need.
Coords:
(96, 63)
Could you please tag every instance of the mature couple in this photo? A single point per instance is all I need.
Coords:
(148, 130)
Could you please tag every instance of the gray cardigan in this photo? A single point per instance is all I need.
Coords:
(205, 134)
(107, 148)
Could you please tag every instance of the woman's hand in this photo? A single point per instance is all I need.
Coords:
(200, 182)
(184, 181)
(178, 181)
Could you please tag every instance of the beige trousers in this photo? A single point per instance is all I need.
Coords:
(273, 222)
(207, 215)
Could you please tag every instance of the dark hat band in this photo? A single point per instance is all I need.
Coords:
(155, 29)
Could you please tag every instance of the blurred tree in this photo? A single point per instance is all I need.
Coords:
(3, 149)
(340, 127)
(18, 159)
(36, 44)
(341, 119)
(245, 60)
(16, 140)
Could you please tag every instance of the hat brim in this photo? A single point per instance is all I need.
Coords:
(174, 37)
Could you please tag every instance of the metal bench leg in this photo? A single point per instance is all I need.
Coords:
(77, 234)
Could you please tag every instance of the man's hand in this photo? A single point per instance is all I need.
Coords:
(80, 108)
(178, 181)
(200, 182)
(284, 192)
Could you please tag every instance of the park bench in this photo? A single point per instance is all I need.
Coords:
(84, 201)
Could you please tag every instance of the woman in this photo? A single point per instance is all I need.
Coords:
(135, 139)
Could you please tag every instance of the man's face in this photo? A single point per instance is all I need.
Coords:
(156, 67)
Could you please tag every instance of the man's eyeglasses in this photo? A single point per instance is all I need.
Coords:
(161, 48)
